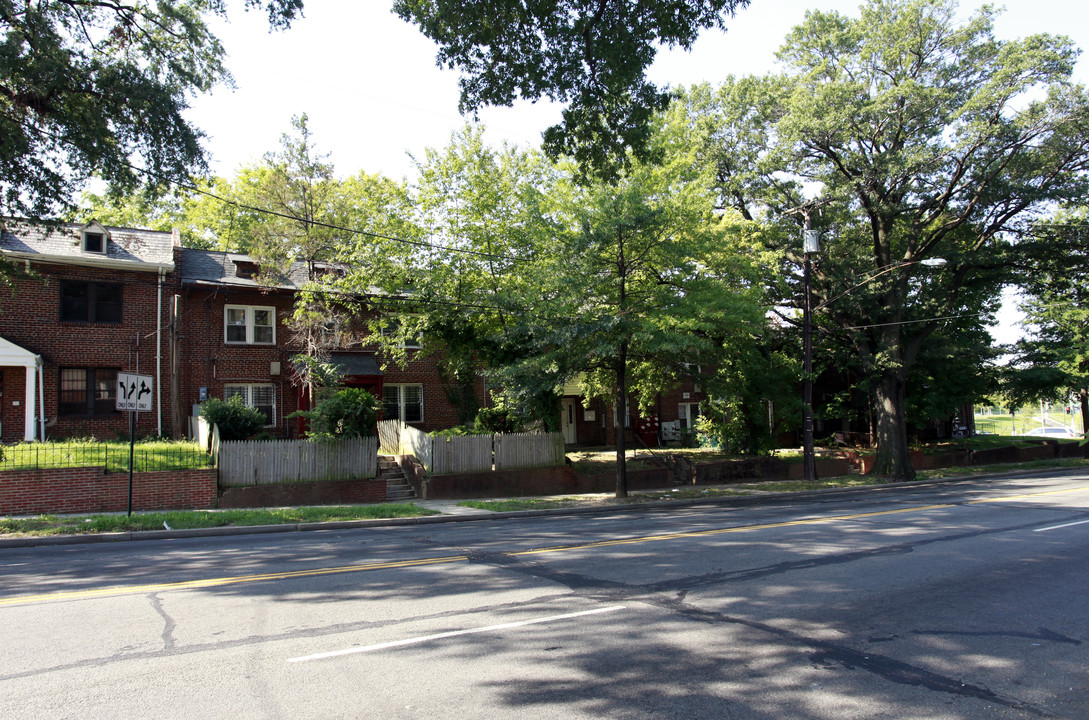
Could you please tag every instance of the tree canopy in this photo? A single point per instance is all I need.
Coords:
(1052, 361)
(590, 54)
(90, 88)
(924, 138)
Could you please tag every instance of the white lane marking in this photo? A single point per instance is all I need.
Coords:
(1056, 527)
(453, 633)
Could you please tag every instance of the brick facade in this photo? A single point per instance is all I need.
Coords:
(156, 286)
(594, 424)
(31, 317)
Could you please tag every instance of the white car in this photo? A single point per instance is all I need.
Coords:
(1052, 432)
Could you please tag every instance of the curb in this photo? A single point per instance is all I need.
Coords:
(738, 501)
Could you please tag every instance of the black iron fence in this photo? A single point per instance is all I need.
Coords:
(112, 456)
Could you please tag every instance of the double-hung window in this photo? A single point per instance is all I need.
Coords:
(88, 391)
(90, 302)
(250, 325)
(261, 396)
(402, 402)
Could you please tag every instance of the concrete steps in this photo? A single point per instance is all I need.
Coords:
(398, 489)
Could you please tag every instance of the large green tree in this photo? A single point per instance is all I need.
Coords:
(924, 138)
(94, 88)
(645, 286)
(1052, 361)
(591, 55)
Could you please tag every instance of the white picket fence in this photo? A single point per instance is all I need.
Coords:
(269, 462)
(472, 453)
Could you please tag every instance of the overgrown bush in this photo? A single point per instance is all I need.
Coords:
(458, 431)
(235, 420)
(499, 420)
(348, 413)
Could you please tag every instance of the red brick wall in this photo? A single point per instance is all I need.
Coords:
(30, 318)
(88, 490)
(208, 361)
(343, 492)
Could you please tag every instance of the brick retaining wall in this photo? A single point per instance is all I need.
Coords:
(90, 489)
(340, 492)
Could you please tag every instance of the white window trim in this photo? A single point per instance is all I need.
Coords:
(401, 400)
(247, 397)
(93, 228)
(250, 311)
(686, 415)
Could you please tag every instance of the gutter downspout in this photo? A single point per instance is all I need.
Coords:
(159, 352)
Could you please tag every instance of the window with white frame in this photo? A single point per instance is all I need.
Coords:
(261, 396)
(627, 414)
(402, 402)
(94, 242)
(250, 325)
(687, 414)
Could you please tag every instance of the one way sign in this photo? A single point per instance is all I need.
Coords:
(134, 391)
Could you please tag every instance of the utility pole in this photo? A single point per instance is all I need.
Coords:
(810, 245)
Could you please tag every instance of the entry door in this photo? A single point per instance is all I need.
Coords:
(567, 420)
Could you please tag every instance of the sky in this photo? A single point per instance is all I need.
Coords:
(374, 96)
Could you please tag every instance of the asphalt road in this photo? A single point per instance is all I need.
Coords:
(964, 600)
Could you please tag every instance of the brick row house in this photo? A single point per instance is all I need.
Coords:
(99, 300)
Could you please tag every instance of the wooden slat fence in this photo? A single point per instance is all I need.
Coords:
(526, 450)
(269, 462)
(462, 454)
(472, 453)
(389, 437)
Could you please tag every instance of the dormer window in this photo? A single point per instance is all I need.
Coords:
(93, 238)
(245, 269)
(94, 242)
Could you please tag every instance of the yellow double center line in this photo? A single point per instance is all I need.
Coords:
(365, 567)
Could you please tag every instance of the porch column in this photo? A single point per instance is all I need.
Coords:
(30, 398)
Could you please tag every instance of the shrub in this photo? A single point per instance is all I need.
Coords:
(499, 420)
(459, 431)
(235, 420)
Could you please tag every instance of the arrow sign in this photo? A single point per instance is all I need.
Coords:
(134, 392)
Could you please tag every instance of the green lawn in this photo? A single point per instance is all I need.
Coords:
(114, 455)
(1021, 423)
(184, 519)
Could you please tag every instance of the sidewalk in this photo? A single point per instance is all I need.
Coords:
(451, 511)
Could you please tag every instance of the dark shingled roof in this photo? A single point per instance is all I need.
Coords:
(356, 363)
(218, 267)
(150, 247)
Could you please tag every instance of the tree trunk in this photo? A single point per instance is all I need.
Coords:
(893, 460)
(621, 416)
(1083, 398)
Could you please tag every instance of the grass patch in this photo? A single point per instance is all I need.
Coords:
(43, 525)
(516, 504)
(1001, 468)
(113, 455)
(804, 486)
(589, 462)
